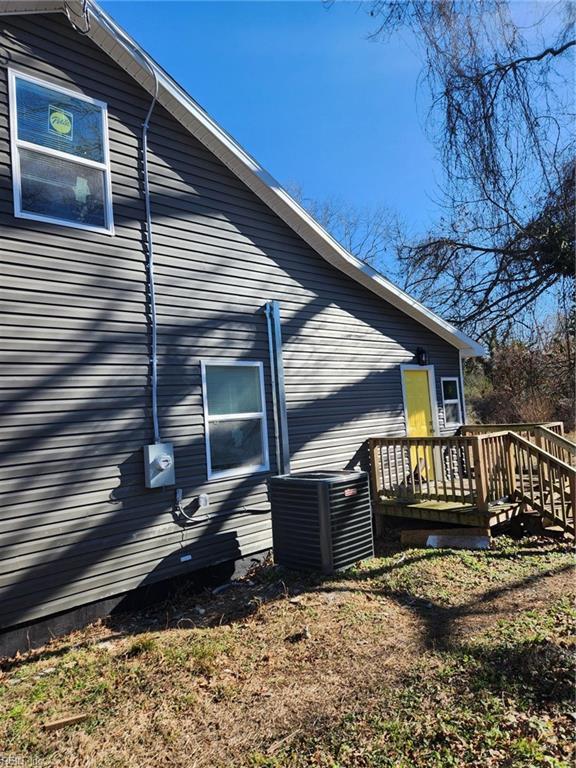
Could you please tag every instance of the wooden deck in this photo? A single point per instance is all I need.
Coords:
(448, 512)
(479, 478)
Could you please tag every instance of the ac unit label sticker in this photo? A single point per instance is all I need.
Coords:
(60, 122)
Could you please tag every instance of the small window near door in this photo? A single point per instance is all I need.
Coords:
(451, 402)
(235, 418)
(60, 158)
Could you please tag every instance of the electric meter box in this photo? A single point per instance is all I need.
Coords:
(159, 465)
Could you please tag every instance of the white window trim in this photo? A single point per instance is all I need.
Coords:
(208, 419)
(16, 144)
(455, 401)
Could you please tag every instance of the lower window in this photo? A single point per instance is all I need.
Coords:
(58, 189)
(235, 418)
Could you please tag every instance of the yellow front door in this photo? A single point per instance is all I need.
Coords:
(419, 420)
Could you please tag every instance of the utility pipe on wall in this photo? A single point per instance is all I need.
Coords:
(272, 310)
(127, 43)
(269, 327)
(150, 266)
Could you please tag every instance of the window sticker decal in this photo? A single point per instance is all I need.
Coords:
(60, 122)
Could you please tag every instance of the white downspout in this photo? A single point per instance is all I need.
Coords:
(462, 395)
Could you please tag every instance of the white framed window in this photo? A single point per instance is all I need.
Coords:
(60, 155)
(235, 418)
(451, 401)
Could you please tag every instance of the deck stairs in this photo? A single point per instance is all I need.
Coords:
(545, 480)
(483, 476)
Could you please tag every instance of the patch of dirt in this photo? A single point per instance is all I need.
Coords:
(507, 603)
(445, 627)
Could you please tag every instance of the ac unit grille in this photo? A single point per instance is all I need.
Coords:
(321, 520)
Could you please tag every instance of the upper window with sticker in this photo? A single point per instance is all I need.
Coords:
(60, 161)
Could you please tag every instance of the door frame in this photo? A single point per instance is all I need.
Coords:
(433, 397)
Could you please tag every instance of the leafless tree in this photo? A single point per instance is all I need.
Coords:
(500, 75)
(372, 234)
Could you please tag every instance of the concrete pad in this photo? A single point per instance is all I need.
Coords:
(419, 537)
(447, 541)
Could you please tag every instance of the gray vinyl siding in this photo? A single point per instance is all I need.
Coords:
(76, 524)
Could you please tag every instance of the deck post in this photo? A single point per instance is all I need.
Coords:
(374, 462)
(510, 464)
(540, 441)
(480, 475)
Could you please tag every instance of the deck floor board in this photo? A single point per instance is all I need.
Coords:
(432, 510)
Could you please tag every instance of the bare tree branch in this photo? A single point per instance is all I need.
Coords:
(503, 69)
(502, 119)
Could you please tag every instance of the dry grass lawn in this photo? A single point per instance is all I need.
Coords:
(417, 658)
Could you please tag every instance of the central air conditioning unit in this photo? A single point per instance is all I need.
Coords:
(321, 520)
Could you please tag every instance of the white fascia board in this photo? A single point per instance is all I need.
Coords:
(114, 41)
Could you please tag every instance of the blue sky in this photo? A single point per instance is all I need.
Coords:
(303, 90)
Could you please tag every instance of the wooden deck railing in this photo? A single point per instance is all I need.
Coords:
(479, 470)
(549, 436)
(527, 430)
(492, 474)
(545, 482)
(556, 444)
(471, 470)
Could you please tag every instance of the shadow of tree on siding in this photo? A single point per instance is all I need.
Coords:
(74, 543)
(136, 515)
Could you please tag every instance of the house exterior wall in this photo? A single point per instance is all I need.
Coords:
(76, 523)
